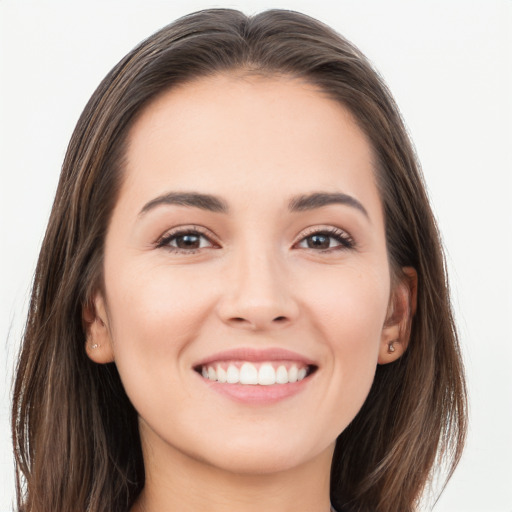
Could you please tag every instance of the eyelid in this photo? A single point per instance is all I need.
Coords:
(163, 240)
(347, 241)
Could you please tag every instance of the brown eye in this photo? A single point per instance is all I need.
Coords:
(318, 241)
(332, 239)
(185, 241)
(189, 241)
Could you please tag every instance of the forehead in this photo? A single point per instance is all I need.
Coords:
(265, 137)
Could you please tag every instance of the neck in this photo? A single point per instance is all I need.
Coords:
(175, 481)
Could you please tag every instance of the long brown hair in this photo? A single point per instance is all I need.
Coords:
(75, 432)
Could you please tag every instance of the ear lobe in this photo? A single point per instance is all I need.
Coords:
(402, 307)
(98, 341)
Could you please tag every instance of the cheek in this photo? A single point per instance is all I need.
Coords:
(350, 305)
(154, 313)
(349, 310)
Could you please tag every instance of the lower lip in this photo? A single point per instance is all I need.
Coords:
(256, 394)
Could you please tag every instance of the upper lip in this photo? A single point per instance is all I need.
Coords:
(255, 355)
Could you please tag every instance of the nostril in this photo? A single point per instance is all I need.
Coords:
(256, 322)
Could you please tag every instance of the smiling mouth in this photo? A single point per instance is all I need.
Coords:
(267, 373)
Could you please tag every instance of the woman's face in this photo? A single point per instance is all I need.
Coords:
(247, 244)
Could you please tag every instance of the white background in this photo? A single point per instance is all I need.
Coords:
(449, 65)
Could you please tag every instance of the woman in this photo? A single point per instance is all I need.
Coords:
(240, 300)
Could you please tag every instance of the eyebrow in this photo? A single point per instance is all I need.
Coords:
(217, 205)
(193, 199)
(319, 199)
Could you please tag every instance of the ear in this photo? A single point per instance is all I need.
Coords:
(98, 341)
(401, 309)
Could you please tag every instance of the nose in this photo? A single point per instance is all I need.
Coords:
(257, 294)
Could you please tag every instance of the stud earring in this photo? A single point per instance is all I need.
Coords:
(391, 347)
(95, 346)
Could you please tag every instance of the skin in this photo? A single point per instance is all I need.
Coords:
(254, 282)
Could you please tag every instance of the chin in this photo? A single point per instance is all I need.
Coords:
(251, 463)
(245, 457)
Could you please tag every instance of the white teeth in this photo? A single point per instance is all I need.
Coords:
(266, 375)
(281, 375)
(233, 375)
(250, 374)
(222, 376)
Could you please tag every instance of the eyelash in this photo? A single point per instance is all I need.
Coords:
(342, 237)
(164, 241)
